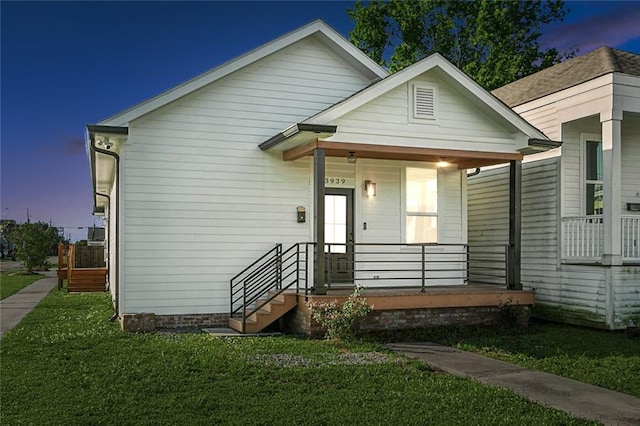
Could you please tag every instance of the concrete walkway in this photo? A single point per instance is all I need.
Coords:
(16, 306)
(576, 398)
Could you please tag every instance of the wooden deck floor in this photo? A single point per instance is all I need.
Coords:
(433, 297)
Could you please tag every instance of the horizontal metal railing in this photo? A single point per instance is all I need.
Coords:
(369, 264)
(273, 273)
(411, 265)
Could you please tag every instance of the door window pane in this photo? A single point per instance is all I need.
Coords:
(335, 222)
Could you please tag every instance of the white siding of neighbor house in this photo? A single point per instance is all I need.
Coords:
(571, 287)
(609, 293)
(626, 295)
(200, 200)
(459, 124)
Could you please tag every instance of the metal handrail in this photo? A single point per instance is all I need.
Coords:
(279, 270)
(266, 278)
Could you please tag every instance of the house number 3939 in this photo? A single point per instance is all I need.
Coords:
(336, 181)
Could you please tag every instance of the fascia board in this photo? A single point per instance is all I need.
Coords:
(315, 27)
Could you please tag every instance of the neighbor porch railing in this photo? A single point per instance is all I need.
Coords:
(583, 238)
(630, 238)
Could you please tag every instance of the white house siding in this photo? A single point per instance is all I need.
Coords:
(584, 294)
(459, 123)
(384, 218)
(626, 295)
(201, 201)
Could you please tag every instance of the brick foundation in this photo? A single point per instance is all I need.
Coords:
(299, 321)
(149, 322)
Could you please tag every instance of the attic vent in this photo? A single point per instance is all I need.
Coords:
(424, 102)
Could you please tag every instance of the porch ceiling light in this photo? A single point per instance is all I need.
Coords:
(443, 163)
(370, 188)
(351, 157)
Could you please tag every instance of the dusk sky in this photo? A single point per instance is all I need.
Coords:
(68, 64)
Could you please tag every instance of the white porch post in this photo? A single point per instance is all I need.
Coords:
(612, 185)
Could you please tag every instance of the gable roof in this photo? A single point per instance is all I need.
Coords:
(604, 60)
(317, 28)
(476, 92)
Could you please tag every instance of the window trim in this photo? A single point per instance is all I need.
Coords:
(584, 138)
(404, 165)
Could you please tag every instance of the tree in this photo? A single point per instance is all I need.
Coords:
(7, 247)
(34, 242)
(494, 42)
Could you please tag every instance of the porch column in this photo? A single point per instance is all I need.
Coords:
(318, 193)
(515, 223)
(611, 122)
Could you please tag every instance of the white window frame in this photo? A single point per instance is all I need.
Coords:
(584, 137)
(413, 87)
(403, 198)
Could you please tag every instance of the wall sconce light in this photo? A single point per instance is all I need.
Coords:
(370, 188)
(351, 157)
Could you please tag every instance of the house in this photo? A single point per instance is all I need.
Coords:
(227, 194)
(95, 236)
(580, 202)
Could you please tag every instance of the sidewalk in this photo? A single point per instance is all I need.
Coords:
(16, 306)
(576, 398)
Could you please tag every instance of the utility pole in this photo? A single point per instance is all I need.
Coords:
(28, 221)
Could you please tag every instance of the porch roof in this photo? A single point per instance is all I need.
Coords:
(460, 159)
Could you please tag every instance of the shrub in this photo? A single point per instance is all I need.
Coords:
(341, 321)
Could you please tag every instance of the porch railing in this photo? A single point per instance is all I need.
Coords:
(583, 238)
(630, 238)
(373, 265)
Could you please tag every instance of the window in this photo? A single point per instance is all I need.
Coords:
(421, 202)
(593, 177)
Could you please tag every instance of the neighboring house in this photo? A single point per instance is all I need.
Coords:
(581, 202)
(95, 236)
(302, 156)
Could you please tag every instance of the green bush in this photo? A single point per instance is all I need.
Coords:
(341, 321)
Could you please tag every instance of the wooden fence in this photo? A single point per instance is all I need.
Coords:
(83, 267)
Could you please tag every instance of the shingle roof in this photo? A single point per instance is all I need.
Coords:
(601, 61)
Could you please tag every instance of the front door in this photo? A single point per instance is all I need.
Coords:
(338, 234)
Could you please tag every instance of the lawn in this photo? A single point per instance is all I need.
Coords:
(603, 358)
(13, 281)
(66, 364)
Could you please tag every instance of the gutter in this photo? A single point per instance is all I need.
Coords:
(94, 149)
(294, 130)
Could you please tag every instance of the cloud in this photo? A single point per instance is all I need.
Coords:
(611, 28)
(74, 146)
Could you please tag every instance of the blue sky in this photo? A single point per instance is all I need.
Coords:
(68, 64)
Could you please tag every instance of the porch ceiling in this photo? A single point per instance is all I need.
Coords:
(461, 159)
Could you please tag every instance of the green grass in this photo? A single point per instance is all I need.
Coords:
(14, 281)
(66, 364)
(603, 358)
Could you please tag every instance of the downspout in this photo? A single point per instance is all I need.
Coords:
(95, 193)
(116, 158)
